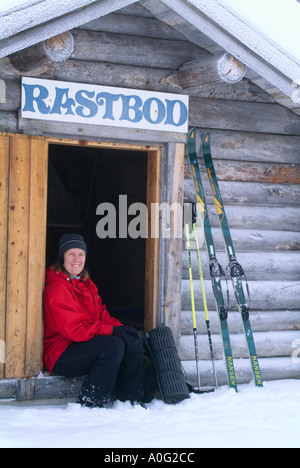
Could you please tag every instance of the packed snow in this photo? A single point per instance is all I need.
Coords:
(255, 418)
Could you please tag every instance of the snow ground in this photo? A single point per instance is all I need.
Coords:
(255, 418)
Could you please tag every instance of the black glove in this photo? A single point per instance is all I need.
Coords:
(130, 336)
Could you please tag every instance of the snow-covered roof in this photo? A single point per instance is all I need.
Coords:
(262, 34)
(279, 20)
(270, 65)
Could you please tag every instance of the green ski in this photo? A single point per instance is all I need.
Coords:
(216, 270)
(236, 270)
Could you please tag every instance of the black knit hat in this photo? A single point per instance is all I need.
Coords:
(70, 241)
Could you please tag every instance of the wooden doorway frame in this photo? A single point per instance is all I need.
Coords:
(23, 225)
(153, 196)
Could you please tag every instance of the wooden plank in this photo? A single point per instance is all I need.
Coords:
(103, 144)
(97, 132)
(4, 169)
(36, 254)
(152, 243)
(17, 266)
(174, 245)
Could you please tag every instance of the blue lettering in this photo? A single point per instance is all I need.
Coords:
(108, 99)
(30, 98)
(86, 103)
(58, 103)
(160, 112)
(135, 108)
(183, 114)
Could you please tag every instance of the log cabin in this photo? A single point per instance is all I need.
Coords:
(58, 165)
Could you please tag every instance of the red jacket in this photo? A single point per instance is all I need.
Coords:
(73, 311)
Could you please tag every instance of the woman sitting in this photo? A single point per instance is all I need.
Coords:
(82, 339)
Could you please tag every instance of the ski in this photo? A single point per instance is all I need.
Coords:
(236, 270)
(216, 271)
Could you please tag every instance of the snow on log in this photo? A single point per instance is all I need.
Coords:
(207, 72)
(56, 49)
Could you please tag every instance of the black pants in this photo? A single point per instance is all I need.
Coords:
(108, 366)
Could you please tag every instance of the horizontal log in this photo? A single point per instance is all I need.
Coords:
(9, 122)
(55, 49)
(271, 369)
(248, 193)
(243, 116)
(109, 74)
(209, 71)
(276, 266)
(265, 295)
(128, 50)
(261, 321)
(41, 388)
(253, 172)
(248, 146)
(133, 25)
(257, 217)
(259, 240)
(245, 90)
(270, 344)
(104, 74)
(133, 77)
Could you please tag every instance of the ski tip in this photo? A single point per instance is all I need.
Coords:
(192, 134)
(206, 138)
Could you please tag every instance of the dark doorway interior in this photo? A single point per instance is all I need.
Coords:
(79, 179)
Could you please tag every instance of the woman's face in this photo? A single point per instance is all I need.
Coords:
(74, 261)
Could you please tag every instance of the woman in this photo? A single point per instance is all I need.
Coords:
(81, 338)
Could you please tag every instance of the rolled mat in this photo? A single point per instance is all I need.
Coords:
(170, 376)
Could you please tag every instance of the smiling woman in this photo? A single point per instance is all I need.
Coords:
(82, 339)
(72, 253)
(74, 261)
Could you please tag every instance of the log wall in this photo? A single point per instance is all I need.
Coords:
(262, 206)
(256, 148)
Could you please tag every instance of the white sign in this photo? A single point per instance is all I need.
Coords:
(102, 105)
